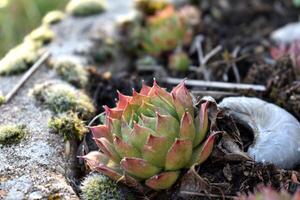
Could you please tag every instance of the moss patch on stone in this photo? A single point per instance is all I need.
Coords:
(20, 58)
(60, 97)
(2, 99)
(71, 72)
(42, 34)
(11, 133)
(86, 7)
(68, 125)
(98, 186)
(53, 17)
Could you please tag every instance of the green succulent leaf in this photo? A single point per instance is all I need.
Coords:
(179, 154)
(139, 167)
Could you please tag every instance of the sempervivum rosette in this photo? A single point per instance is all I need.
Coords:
(151, 136)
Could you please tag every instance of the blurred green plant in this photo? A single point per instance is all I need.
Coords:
(19, 17)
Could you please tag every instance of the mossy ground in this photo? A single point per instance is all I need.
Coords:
(20, 58)
(11, 133)
(68, 125)
(42, 34)
(53, 17)
(60, 97)
(86, 7)
(2, 99)
(99, 187)
(71, 72)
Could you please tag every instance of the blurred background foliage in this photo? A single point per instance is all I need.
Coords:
(19, 17)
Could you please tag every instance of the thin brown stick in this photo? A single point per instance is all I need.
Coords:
(26, 76)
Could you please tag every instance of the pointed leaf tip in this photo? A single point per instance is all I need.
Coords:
(187, 127)
(163, 180)
(145, 89)
(101, 131)
(201, 153)
(108, 149)
(124, 149)
(114, 113)
(123, 100)
(95, 158)
(179, 154)
(139, 167)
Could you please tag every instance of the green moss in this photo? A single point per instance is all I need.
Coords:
(11, 133)
(99, 187)
(85, 7)
(68, 125)
(53, 17)
(60, 97)
(20, 58)
(2, 99)
(42, 34)
(71, 72)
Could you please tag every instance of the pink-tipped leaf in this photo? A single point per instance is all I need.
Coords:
(163, 180)
(179, 154)
(156, 149)
(139, 167)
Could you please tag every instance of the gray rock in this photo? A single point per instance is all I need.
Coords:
(287, 33)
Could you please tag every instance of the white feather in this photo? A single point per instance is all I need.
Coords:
(276, 132)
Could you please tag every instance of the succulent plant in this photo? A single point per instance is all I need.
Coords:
(179, 61)
(151, 136)
(150, 7)
(191, 15)
(164, 31)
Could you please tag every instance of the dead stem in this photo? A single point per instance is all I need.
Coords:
(215, 84)
(234, 66)
(197, 46)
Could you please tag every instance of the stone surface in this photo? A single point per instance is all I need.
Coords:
(287, 34)
(35, 168)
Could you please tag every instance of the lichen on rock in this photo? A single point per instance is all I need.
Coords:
(20, 58)
(11, 133)
(60, 97)
(2, 99)
(42, 34)
(71, 72)
(53, 17)
(98, 186)
(68, 125)
(85, 7)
